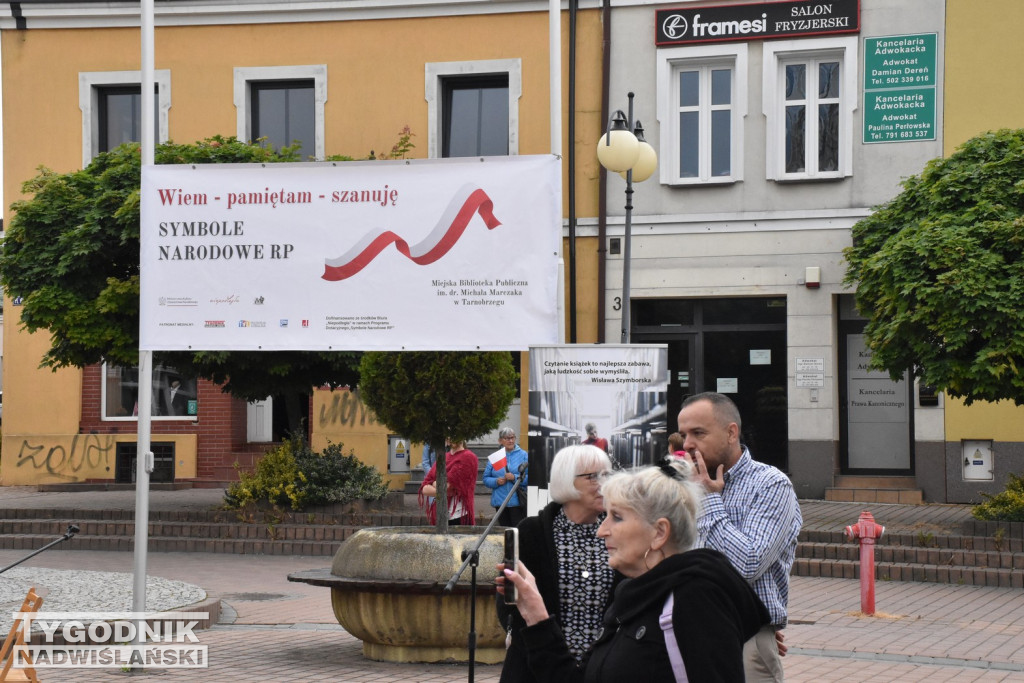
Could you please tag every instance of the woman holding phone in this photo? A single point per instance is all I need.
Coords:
(682, 613)
(561, 543)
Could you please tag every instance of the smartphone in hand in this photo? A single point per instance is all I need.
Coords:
(511, 561)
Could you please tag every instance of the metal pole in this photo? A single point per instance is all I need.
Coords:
(555, 113)
(626, 248)
(143, 456)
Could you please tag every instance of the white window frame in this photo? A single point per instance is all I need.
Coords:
(436, 72)
(670, 62)
(244, 76)
(89, 85)
(776, 55)
(132, 418)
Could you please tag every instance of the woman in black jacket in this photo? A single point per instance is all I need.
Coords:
(649, 531)
(562, 546)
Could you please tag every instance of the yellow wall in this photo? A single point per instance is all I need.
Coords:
(339, 417)
(997, 421)
(63, 458)
(375, 88)
(983, 53)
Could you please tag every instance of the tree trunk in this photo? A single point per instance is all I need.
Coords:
(441, 482)
(293, 412)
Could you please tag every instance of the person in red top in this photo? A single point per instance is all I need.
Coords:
(461, 465)
(676, 445)
(593, 439)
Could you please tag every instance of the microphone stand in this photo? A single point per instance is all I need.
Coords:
(72, 530)
(471, 558)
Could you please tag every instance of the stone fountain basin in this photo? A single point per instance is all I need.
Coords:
(388, 589)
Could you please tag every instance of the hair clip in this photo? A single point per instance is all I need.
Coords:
(666, 467)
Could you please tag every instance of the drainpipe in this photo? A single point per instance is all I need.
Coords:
(602, 183)
(19, 19)
(573, 5)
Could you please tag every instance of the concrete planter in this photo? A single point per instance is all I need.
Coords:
(387, 588)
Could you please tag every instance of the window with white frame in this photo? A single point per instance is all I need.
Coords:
(701, 109)
(810, 96)
(111, 102)
(473, 107)
(283, 104)
(174, 394)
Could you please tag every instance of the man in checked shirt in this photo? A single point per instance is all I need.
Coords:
(750, 514)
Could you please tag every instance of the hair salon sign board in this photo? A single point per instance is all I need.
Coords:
(755, 21)
(444, 254)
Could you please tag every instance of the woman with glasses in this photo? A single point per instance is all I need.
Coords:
(570, 562)
(681, 614)
(501, 480)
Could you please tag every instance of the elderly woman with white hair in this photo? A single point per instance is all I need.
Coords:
(682, 614)
(570, 563)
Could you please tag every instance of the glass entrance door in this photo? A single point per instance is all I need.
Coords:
(876, 416)
(750, 367)
(734, 346)
(682, 374)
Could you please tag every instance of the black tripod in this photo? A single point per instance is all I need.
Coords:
(471, 558)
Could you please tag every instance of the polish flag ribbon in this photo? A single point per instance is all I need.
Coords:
(449, 228)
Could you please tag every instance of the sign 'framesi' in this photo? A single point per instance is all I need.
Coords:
(722, 23)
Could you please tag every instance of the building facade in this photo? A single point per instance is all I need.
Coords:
(778, 126)
(342, 78)
(984, 441)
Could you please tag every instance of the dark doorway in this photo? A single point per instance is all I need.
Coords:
(736, 346)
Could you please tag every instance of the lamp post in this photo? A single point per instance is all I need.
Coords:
(623, 149)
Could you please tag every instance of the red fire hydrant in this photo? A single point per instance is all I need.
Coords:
(867, 531)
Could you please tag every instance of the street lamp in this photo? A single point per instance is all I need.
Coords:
(628, 154)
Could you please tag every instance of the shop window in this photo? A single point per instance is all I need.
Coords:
(283, 104)
(701, 108)
(174, 394)
(810, 97)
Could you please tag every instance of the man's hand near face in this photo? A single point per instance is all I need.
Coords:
(701, 476)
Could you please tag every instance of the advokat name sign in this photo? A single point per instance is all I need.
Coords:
(683, 26)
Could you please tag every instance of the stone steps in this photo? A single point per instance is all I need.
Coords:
(993, 560)
(875, 489)
(315, 533)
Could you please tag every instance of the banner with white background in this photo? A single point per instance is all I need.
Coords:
(443, 254)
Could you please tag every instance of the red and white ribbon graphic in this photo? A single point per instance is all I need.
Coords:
(453, 222)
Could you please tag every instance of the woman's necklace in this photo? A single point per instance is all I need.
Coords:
(592, 549)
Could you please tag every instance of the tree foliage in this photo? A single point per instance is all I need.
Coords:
(431, 396)
(939, 273)
(72, 253)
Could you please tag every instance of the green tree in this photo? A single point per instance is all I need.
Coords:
(939, 272)
(431, 396)
(71, 252)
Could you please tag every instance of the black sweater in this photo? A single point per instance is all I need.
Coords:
(716, 611)
(537, 552)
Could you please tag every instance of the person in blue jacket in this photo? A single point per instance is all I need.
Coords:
(501, 481)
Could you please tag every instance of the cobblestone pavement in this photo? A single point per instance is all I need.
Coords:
(275, 630)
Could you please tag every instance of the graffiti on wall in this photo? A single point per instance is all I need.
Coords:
(87, 453)
(345, 409)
